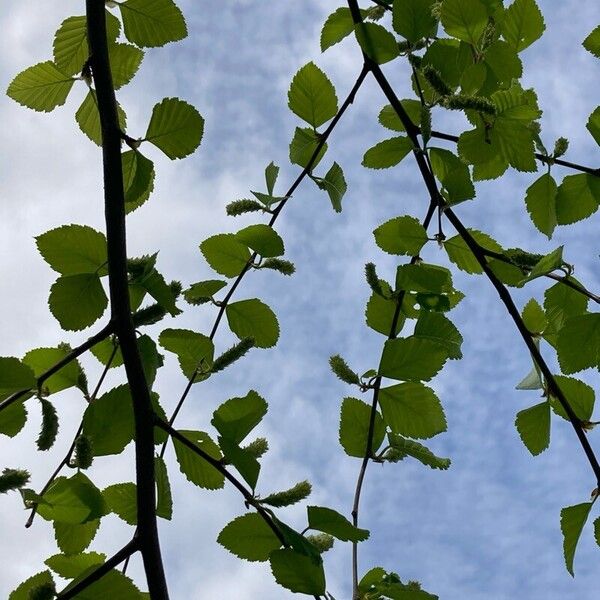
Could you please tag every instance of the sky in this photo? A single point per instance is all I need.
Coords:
(486, 528)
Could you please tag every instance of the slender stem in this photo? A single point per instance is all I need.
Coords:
(119, 296)
(303, 174)
(71, 356)
(102, 570)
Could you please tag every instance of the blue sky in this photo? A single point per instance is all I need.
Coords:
(486, 528)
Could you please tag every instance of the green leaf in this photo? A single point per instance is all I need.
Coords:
(592, 42)
(413, 410)
(244, 461)
(144, 274)
(164, 499)
(15, 376)
(113, 585)
(303, 146)
(13, 418)
(297, 572)
(560, 303)
(71, 45)
(76, 500)
(453, 174)
(572, 520)
(138, 179)
(548, 263)
(24, 590)
(401, 235)
(597, 530)
(413, 20)
(380, 315)
(152, 23)
(176, 127)
(249, 537)
(540, 200)
(71, 566)
(263, 239)
(593, 124)
(376, 42)
(577, 198)
(253, 318)
(424, 455)
(195, 468)
(412, 359)
(73, 249)
(464, 19)
(108, 421)
(121, 500)
(533, 425)
(203, 291)
(225, 254)
(312, 96)
(334, 183)
(104, 350)
(579, 395)
(125, 60)
(42, 87)
(522, 24)
(195, 351)
(237, 417)
(271, 174)
(88, 118)
(387, 153)
(339, 24)
(77, 301)
(423, 277)
(579, 343)
(72, 539)
(437, 328)
(332, 522)
(534, 317)
(460, 254)
(354, 427)
(389, 118)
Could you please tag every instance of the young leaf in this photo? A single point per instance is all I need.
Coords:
(522, 24)
(271, 174)
(453, 174)
(125, 60)
(376, 42)
(389, 118)
(297, 572)
(108, 422)
(423, 277)
(577, 198)
(42, 87)
(578, 343)
(176, 127)
(533, 425)
(225, 254)
(71, 45)
(572, 520)
(401, 235)
(413, 19)
(339, 24)
(152, 23)
(15, 376)
(464, 19)
(263, 239)
(592, 42)
(245, 463)
(121, 499)
(203, 291)
(412, 410)
(237, 417)
(412, 358)
(71, 566)
(593, 124)
(73, 249)
(303, 146)
(405, 447)
(249, 537)
(253, 318)
(112, 585)
(138, 179)
(332, 522)
(194, 351)
(380, 315)
(12, 418)
(387, 153)
(579, 395)
(540, 200)
(312, 96)
(534, 317)
(354, 427)
(77, 301)
(460, 254)
(28, 587)
(437, 328)
(195, 468)
(334, 183)
(88, 118)
(164, 499)
(72, 539)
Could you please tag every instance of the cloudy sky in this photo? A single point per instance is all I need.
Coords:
(486, 528)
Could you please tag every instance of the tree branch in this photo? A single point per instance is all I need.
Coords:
(119, 297)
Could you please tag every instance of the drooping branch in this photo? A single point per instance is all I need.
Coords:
(119, 299)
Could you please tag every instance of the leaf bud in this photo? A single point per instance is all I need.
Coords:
(13, 479)
(46, 591)
(149, 315)
(239, 207)
(288, 497)
(257, 448)
(321, 541)
(234, 353)
(278, 264)
(343, 371)
(373, 280)
(435, 80)
(83, 455)
(49, 429)
(478, 103)
(425, 123)
(561, 146)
